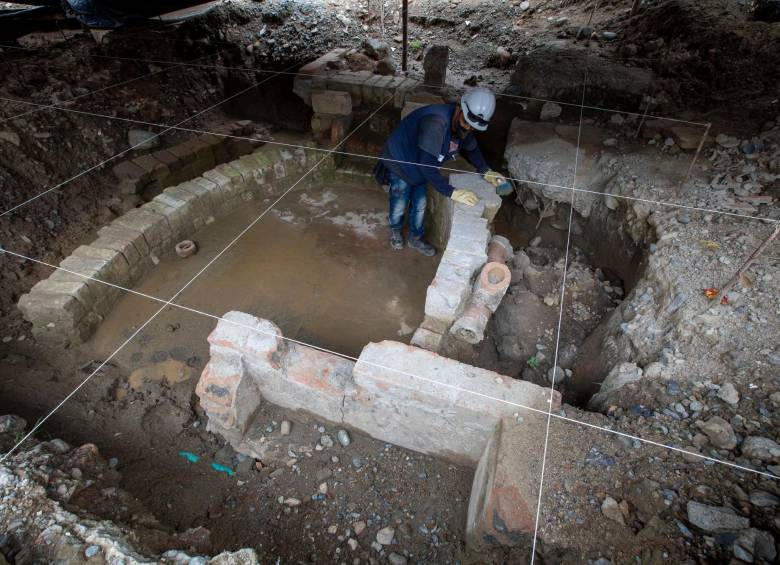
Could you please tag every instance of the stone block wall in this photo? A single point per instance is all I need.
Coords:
(464, 233)
(397, 393)
(363, 87)
(66, 307)
(170, 166)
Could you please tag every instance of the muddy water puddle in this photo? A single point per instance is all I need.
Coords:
(318, 265)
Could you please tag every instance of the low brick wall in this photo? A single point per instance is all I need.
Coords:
(364, 87)
(464, 233)
(397, 393)
(66, 308)
(169, 166)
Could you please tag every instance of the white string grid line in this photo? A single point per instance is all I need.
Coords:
(379, 366)
(178, 127)
(124, 151)
(558, 332)
(103, 89)
(187, 285)
(436, 86)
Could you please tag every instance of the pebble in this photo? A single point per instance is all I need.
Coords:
(608, 35)
(285, 427)
(555, 375)
(343, 437)
(385, 535)
(113, 462)
(611, 510)
(719, 432)
(396, 559)
(357, 463)
(292, 502)
(728, 394)
(91, 551)
(352, 543)
(326, 440)
(359, 527)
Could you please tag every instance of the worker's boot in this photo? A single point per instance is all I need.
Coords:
(419, 244)
(396, 239)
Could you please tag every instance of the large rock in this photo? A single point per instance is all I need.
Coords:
(761, 448)
(541, 156)
(557, 73)
(620, 376)
(715, 518)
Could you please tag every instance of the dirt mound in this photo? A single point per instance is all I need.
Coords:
(706, 59)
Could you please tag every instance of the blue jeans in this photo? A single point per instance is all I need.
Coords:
(403, 196)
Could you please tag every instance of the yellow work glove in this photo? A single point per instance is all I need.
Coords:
(464, 197)
(494, 178)
(501, 185)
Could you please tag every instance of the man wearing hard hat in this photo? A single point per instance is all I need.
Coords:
(416, 150)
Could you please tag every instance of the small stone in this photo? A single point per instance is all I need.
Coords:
(91, 551)
(292, 502)
(285, 427)
(524, 5)
(10, 137)
(352, 543)
(385, 535)
(113, 462)
(611, 509)
(326, 440)
(550, 110)
(555, 375)
(359, 527)
(719, 432)
(357, 463)
(396, 559)
(140, 139)
(323, 488)
(728, 394)
(333, 529)
(608, 35)
(343, 437)
(584, 32)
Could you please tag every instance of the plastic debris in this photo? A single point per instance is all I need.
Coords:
(191, 457)
(222, 469)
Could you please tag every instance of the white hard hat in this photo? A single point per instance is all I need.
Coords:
(478, 105)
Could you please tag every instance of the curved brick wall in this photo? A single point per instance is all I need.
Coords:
(67, 307)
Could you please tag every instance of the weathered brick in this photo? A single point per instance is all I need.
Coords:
(62, 310)
(230, 172)
(79, 289)
(446, 298)
(154, 227)
(123, 246)
(117, 267)
(127, 170)
(153, 167)
(167, 158)
(133, 236)
(184, 153)
(332, 102)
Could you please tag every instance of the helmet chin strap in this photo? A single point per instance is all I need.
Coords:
(457, 127)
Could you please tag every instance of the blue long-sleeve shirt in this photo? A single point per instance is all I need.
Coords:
(421, 143)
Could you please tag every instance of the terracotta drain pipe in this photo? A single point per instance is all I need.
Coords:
(489, 289)
(499, 250)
